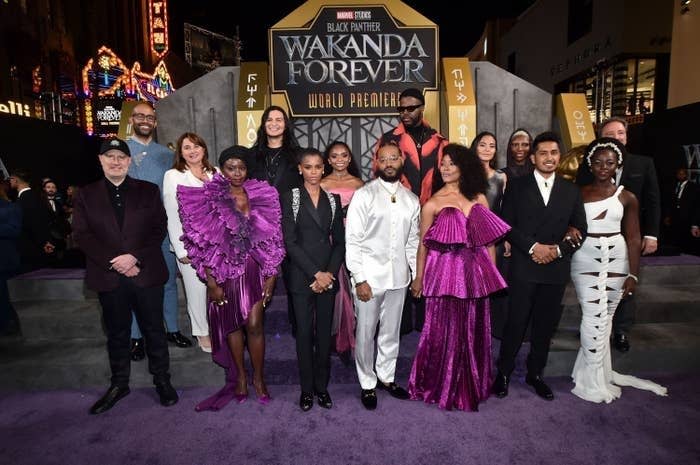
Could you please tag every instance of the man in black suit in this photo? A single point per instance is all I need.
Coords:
(10, 229)
(638, 175)
(680, 203)
(549, 223)
(35, 245)
(120, 223)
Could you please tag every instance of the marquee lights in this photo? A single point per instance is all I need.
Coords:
(158, 20)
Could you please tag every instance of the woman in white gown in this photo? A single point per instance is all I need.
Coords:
(604, 271)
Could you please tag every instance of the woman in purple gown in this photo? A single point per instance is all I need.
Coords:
(233, 236)
(456, 273)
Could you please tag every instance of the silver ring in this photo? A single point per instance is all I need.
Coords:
(568, 238)
(330, 286)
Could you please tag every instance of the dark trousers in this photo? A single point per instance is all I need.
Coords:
(413, 314)
(314, 316)
(8, 316)
(624, 315)
(147, 304)
(542, 304)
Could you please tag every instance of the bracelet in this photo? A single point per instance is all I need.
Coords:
(636, 279)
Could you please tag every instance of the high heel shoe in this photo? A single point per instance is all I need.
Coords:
(204, 343)
(240, 398)
(261, 393)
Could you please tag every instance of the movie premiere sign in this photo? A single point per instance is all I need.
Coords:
(351, 61)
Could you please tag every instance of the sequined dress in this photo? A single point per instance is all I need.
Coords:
(452, 366)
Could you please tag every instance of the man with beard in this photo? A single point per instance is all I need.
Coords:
(421, 149)
(150, 162)
(381, 243)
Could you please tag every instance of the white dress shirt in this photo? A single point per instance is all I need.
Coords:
(544, 185)
(381, 236)
(171, 180)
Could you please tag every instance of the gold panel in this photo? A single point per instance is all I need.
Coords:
(460, 100)
(574, 120)
(253, 88)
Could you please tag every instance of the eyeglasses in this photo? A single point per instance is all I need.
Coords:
(390, 158)
(142, 117)
(408, 108)
(113, 157)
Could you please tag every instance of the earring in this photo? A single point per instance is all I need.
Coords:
(299, 173)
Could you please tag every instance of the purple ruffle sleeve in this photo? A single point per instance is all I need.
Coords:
(458, 263)
(219, 237)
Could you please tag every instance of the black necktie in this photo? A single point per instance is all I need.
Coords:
(678, 189)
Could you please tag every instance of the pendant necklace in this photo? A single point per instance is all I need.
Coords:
(392, 194)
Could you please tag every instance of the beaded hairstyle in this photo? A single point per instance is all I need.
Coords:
(604, 145)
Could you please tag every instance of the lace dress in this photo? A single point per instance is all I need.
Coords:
(598, 270)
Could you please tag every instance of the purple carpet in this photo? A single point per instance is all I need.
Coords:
(640, 428)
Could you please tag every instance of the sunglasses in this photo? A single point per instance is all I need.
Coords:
(408, 108)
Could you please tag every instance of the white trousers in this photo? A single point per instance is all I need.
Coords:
(196, 295)
(385, 308)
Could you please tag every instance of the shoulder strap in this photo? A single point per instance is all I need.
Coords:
(295, 202)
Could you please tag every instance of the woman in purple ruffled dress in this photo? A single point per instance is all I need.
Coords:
(456, 273)
(233, 236)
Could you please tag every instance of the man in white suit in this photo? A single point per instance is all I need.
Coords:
(381, 242)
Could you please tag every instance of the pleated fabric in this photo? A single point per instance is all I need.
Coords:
(452, 366)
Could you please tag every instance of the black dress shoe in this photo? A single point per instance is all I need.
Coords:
(166, 392)
(541, 388)
(621, 342)
(393, 389)
(178, 339)
(500, 385)
(306, 401)
(109, 400)
(137, 350)
(324, 400)
(369, 399)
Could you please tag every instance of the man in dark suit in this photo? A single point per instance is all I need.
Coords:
(35, 245)
(638, 175)
(120, 223)
(680, 203)
(541, 207)
(10, 229)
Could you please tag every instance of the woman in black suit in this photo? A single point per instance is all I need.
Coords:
(314, 235)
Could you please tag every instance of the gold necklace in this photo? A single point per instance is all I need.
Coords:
(392, 194)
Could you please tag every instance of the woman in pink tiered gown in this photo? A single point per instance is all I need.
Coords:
(456, 273)
(343, 178)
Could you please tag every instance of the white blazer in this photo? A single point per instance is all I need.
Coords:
(171, 180)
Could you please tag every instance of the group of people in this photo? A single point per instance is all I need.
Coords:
(433, 241)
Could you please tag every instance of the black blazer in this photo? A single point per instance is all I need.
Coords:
(532, 221)
(287, 176)
(315, 241)
(638, 177)
(35, 229)
(681, 209)
(10, 230)
(97, 233)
